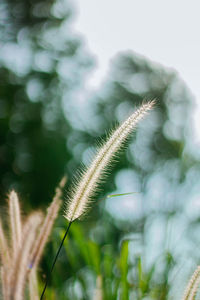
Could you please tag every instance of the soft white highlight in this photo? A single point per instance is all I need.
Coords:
(85, 189)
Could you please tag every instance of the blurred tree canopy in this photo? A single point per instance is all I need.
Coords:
(41, 60)
(46, 130)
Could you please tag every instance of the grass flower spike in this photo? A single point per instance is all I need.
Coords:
(22, 245)
(83, 192)
(21, 262)
(15, 220)
(47, 225)
(193, 286)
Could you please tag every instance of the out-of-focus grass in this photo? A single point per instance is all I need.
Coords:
(121, 276)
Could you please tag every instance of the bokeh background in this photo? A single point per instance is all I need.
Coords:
(138, 246)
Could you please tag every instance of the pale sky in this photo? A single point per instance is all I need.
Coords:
(167, 32)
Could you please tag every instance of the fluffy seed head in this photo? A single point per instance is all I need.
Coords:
(47, 225)
(193, 285)
(15, 220)
(87, 185)
(20, 265)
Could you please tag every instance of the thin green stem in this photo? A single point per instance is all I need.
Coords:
(55, 259)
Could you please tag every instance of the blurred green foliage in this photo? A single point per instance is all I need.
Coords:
(101, 271)
(41, 61)
(129, 247)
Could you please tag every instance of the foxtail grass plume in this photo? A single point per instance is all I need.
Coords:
(193, 285)
(83, 192)
(98, 292)
(33, 285)
(19, 257)
(4, 250)
(47, 225)
(15, 220)
(20, 265)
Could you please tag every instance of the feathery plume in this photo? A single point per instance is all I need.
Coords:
(195, 289)
(4, 250)
(98, 293)
(46, 228)
(193, 285)
(5, 260)
(33, 285)
(5, 283)
(83, 192)
(20, 266)
(27, 243)
(15, 220)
